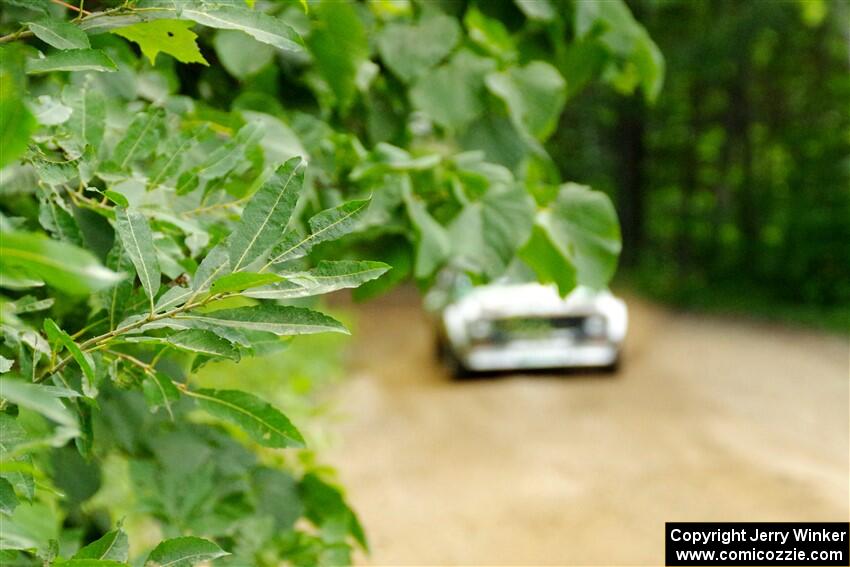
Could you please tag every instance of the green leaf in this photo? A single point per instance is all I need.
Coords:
(240, 54)
(241, 281)
(72, 60)
(160, 391)
(434, 246)
(490, 34)
(534, 94)
(262, 27)
(411, 49)
(66, 267)
(60, 337)
(16, 121)
(453, 94)
(263, 422)
(339, 46)
(12, 435)
(327, 225)
(266, 215)
(134, 231)
(540, 10)
(278, 319)
(43, 400)
(328, 276)
(578, 230)
(55, 217)
(90, 563)
(113, 545)
(59, 34)
(226, 157)
(184, 552)
(8, 499)
(197, 341)
(115, 299)
(140, 140)
(167, 36)
(88, 117)
(486, 233)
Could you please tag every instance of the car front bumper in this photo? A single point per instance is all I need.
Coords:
(527, 355)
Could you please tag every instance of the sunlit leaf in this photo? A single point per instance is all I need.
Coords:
(113, 545)
(167, 36)
(134, 231)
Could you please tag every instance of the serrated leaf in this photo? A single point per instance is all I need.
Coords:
(262, 421)
(72, 60)
(241, 281)
(167, 36)
(134, 231)
(325, 226)
(184, 552)
(88, 116)
(8, 499)
(327, 277)
(266, 215)
(55, 218)
(64, 266)
(57, 336)
(59, 34)
(281, 320)
(140, 139)
(113, 545)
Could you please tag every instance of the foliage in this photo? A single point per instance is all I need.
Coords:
(735, 184)
(159, 217)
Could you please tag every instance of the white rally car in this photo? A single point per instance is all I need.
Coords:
(520, 326)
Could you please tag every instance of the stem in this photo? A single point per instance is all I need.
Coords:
(21, 33)
(72, 7)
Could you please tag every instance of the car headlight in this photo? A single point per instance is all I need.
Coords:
(594, 326)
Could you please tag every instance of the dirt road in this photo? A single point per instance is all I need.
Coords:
(709, 419)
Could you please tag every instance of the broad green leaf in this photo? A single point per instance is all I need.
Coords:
(55, 218)
(489, 34)
(88, 117)
(72, 60)
(541, 10)
(339, 46)
(134, 231)
(411, 49)
(8, 499)
(59, 34)
(167, 36)
(580, 229)
(548, 262)
(262, 27)
(278, 319)
(63, 266)
(433, 246)
(240, 54)
(160, 391)
(16, 121)
(266, 215)
(184, 552)
(140, 140)
(534, 94)
(43, 400)
(328, 276)
(241, 281)
(113, 545)
(486, 233)
(61, 338)
(453, 94)
(325, 226)
(263, 422)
